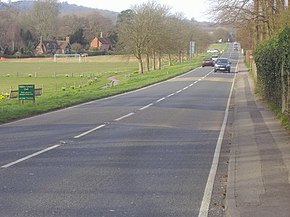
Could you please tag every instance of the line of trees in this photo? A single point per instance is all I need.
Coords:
(148, 30)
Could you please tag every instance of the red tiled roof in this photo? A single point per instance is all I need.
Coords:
(105, 41)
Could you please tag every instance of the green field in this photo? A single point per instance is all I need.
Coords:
(71, 82)
(54, 76)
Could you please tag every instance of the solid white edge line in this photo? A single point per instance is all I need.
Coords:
(204, 208)
(123, 117)
(89, 131)
(30, 156)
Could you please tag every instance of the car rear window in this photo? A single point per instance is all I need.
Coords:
(222, 61)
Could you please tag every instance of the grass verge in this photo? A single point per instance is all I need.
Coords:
(283, 118)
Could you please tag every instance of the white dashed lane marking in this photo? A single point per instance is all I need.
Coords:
(89, 131)
(30, 156)
(125, 116)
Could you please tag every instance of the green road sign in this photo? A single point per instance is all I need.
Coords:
(26, 92)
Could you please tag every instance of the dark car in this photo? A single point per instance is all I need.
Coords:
(222, 64)
(207, 62)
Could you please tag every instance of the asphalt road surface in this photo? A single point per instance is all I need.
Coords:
(147, 153)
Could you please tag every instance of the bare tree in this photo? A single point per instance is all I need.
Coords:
(138, 30)
(44, 18)
(261, 14)
(10, 31)
(95, 24)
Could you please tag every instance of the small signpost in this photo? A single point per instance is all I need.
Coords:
(26, 92)
(192, 49)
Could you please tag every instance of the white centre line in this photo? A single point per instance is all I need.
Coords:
(170, 95)
(89, 131)
(30, 156)
(159, 100)
(185, 88)
(145, 107)
(179, 91)
(125, 116)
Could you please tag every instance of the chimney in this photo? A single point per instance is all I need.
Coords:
(101, 35)
(67, 39)
(41, 40)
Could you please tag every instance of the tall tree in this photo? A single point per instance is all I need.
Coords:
(10, 31)
(132, 34)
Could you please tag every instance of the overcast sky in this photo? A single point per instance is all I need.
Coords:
(189, 8)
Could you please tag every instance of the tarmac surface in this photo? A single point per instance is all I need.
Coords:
(259, 166)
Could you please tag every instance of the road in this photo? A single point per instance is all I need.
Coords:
(146, 153)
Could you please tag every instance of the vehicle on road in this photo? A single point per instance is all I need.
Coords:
(236, 46)
(215, 50)
(207, 62)
(222, 64)
(214, 57)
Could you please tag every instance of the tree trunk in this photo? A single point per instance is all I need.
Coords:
(154, 60)
(140, 62)
(180, 56)
(148, 62)
(159, 61)
(170, 59)
(257, 23)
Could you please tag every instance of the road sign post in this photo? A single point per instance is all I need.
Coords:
(191, 49)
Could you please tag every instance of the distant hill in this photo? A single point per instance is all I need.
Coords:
(65, 8)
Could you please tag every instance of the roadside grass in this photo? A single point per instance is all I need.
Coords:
(282, 117)
(68, 84)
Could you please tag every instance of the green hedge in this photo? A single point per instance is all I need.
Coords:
(272, 58)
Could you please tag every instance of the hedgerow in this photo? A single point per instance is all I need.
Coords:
(272, 58)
